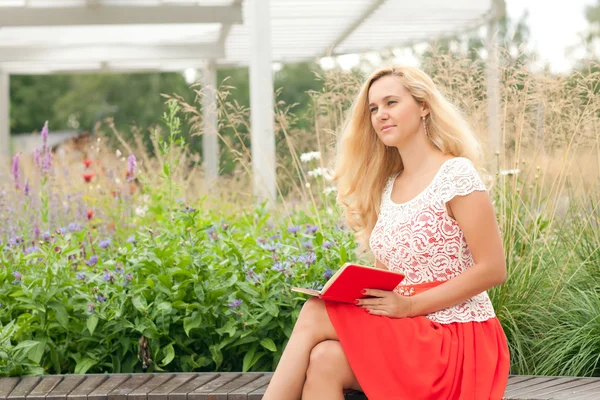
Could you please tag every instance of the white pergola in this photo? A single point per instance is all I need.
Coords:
(67, 36)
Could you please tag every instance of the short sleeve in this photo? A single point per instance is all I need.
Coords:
(460, 179)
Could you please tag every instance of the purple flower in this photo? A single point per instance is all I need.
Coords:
(47, 162)
(91, 307)
(36, 158)
(328, 244)
(27, 188)
(294, 229)
(16, 172)
(308, 259)
(32, 249)
(93, 260)
(282, 267)
(234, 304)
(104, 243)
(308, 245)
(119, 269)
(45, 136)
(46, 236)
(131, 167)
(15, 241)
(17, 275)
(80, 276)
(312, 229)
(128, 278)
(271, 246)
(108, 276)
(261, 240)
(131, 239)
(275, 237)
(74, 227)
(188, 209)
(101, 298)
(327, 274)
(61, 230)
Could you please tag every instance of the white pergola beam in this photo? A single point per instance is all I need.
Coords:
(354, 25)
(261, 101)
(108, 53)
(4, 116)
(210, 123)
(119, 15)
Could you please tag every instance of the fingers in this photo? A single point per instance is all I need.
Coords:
(375, 292)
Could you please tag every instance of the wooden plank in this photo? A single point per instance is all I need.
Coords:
(91, 383)
(203, 391)
(527, 392)
(102, 391)
(7, 385)
(141, 393)
(513, 392)
(162, 392)
(591, 388)
(547, 392)
(23, 388)
(258, 393)
(222, 393)
(44, 387)
(181, 393)
(69, 383)
(120, 392)
(241, 393)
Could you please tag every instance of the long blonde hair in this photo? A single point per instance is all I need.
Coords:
(363, 164)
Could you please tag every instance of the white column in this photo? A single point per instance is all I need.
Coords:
(210, 126)
(493, 94)
(261, 101)
(4, 116)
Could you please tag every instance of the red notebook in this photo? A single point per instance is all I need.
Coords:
(347, 283)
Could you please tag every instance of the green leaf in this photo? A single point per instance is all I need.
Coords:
(271, 308)
(91, 323)
(61, 314)
(139, 302)
(192, 322)
(319, 239)
(36, 353)
(343, 255)
(169, 353)
(166, 169)
(248, 358)
(84, 365)
(268, 344)
(217, 356)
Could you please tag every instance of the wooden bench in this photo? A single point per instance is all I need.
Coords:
(236, 386)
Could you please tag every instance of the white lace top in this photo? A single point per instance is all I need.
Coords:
(420, 239)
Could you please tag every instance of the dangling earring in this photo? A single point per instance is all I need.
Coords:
(425, 126)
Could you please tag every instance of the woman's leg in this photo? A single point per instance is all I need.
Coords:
(329, 373)
(313, 327)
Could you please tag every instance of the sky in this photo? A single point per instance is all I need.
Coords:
(554, 28)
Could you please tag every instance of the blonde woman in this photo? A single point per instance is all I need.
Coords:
(407, 180)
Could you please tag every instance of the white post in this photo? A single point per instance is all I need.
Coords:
(210, 126)
(261, 101)
(4, 116)
(493, 94)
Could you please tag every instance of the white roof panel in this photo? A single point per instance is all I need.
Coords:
(300, 29)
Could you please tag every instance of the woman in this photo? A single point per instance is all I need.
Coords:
(406, 178)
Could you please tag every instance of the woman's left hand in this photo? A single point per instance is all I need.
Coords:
(389, 304)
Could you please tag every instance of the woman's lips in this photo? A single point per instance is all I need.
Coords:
(387, 128)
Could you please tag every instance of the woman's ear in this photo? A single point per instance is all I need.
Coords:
(424, 109)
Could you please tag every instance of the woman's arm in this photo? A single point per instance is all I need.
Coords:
(475, 216)
(379, 264)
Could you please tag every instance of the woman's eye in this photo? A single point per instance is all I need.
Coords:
(391, 102)
(373, 109)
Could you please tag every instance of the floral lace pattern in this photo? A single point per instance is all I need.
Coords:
(419, 239)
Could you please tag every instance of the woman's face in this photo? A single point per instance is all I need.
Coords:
(395, 114)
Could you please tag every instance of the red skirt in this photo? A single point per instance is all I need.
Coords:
(416, 358)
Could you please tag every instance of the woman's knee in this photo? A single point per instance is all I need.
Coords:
(327, 359)
(312, 311)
